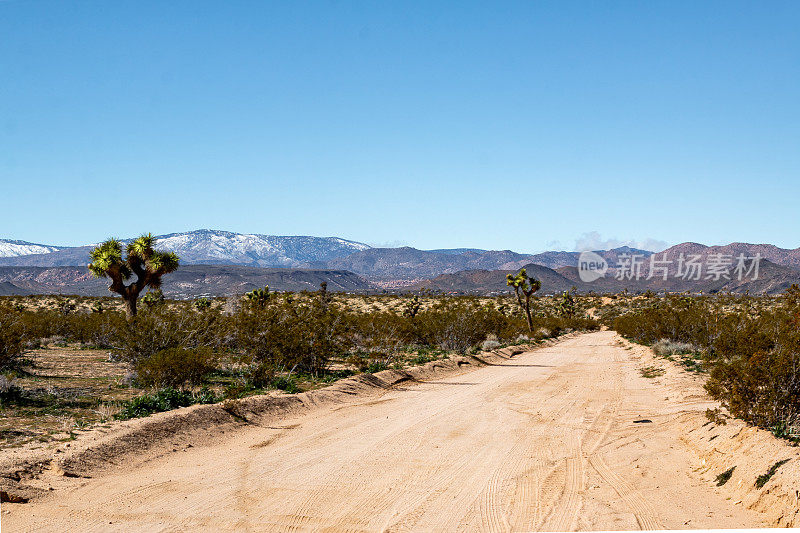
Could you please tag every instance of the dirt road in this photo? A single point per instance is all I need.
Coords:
(566, 437)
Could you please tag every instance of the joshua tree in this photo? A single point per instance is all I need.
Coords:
(524, 286)
(141, 259)
(566, 307)
(258, 297)
(412, 307)
(324, 297)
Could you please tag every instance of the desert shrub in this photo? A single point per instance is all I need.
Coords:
(99, 330)
(160, 328)
(566, 305)
(379, 331)
(491, 343)
(9, 391)
(176, 367)
(765, 477)
(677, 318)
(285, 383)
(12, 340)
(666, 347)
(284, 333)
(202, 304)
(458, 325)
(377, 365)
(724, 477)
(163, 400)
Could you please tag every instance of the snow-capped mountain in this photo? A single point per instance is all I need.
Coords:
(17, 248)
(215, 247)
(225, 247)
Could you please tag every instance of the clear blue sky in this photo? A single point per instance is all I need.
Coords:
(437, 124)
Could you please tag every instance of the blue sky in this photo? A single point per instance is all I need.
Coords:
(527, 125)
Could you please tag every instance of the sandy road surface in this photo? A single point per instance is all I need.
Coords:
(545, 441)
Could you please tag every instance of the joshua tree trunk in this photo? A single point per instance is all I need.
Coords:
(130, 306)
(526, 305)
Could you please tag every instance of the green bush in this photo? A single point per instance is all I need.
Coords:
(12, 340)
(160, 328)
(163, 400)
(176, 367)
(284, 383)
(284, 333)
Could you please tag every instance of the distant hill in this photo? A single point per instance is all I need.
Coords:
(457, 251)
(187, 281)
(409, 263)
(9, 289)
(779, 256)
(772, 279)
(225, 247)
(493, 281)
(561, 259)
(412, 264)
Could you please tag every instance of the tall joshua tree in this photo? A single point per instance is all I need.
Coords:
(524, 286)
(141, 259)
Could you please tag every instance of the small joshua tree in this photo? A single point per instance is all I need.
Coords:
(202, 304)
(324, 297)
(154, 298)
(141, 259)
(258, 297)
(412, 307)
(524, 287)
(566, 307)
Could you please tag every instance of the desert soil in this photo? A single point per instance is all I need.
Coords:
(566, 437)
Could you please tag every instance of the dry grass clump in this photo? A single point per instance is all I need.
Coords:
(491, 343)
(666, 347)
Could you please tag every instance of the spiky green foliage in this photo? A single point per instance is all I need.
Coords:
(202, 304)
(566, 306)
(524, 287)
(412, 307)
(142, 260)
(258, 297)
(107, 261)
(153, 298)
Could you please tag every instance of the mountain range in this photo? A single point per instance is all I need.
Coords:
(294, 262)
(203, 247)
(772, 279)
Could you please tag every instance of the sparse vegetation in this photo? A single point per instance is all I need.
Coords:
(176, 367)
(724, 477)
(89, 363)
(651, 371)
(763, 478)
(163, 400)
(749, 346)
